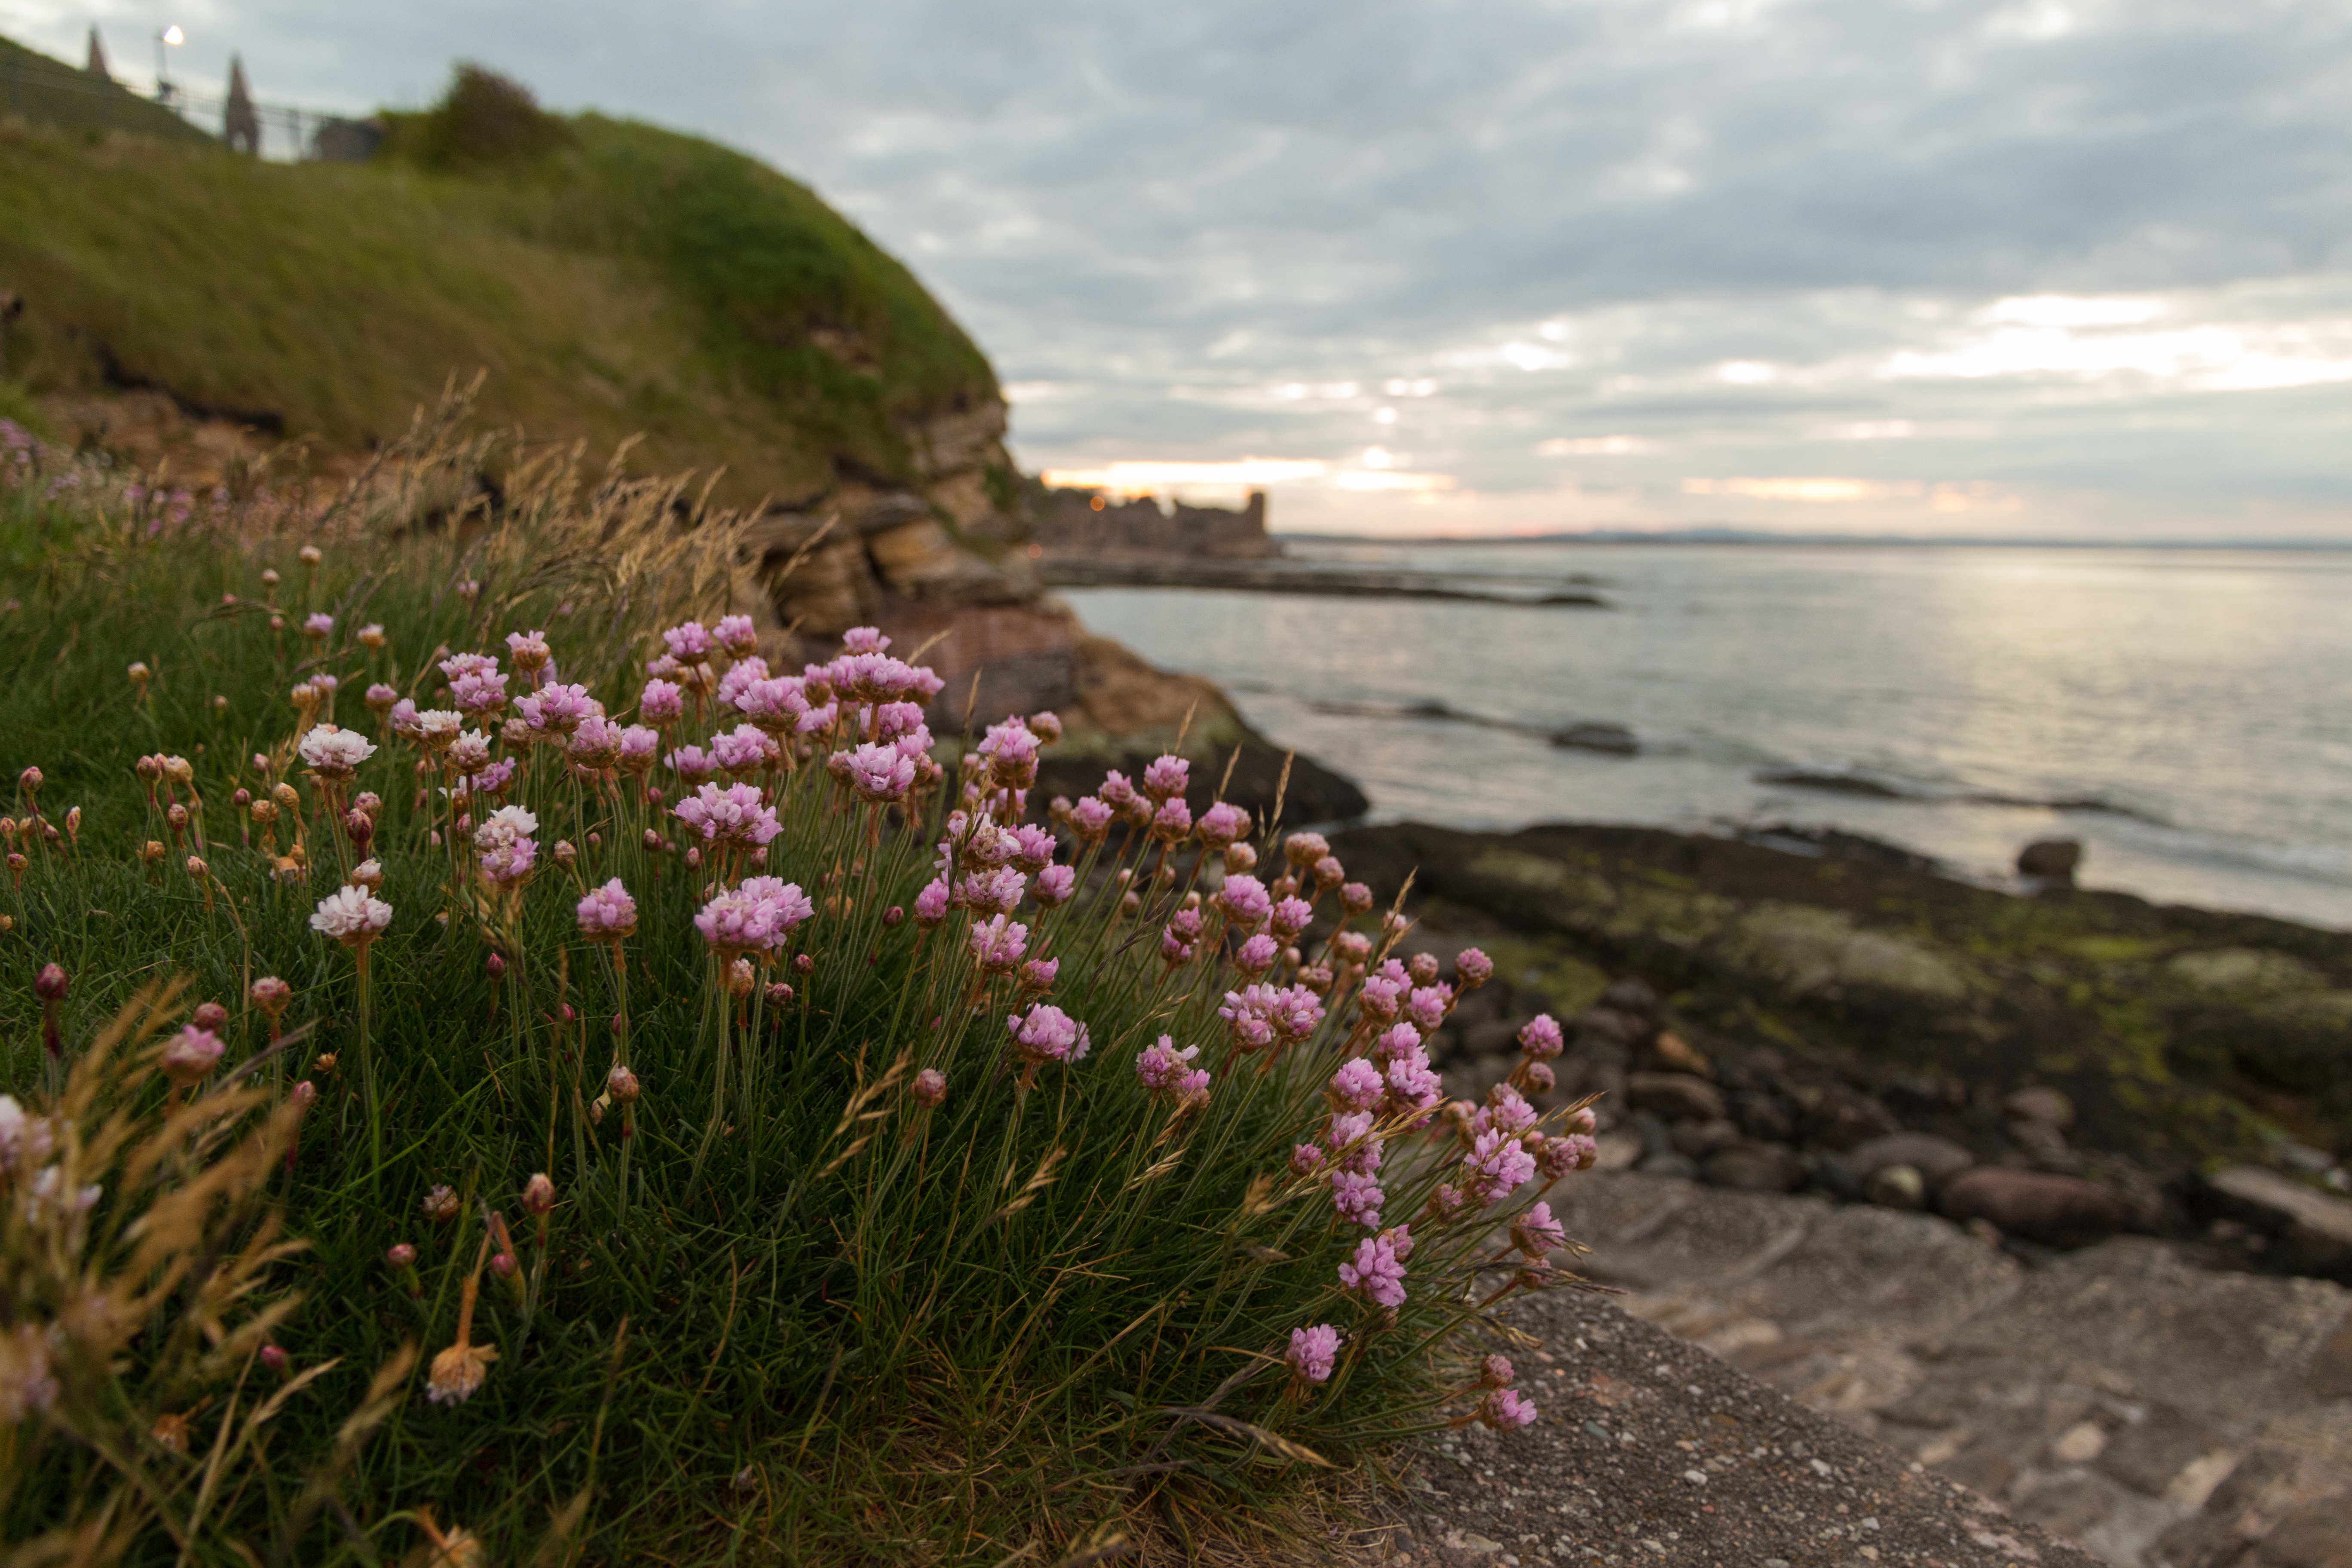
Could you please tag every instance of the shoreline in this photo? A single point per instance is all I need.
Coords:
(1260, 577)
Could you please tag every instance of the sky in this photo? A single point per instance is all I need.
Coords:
(1988, 267)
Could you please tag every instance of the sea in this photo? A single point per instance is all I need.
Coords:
(2185, 714)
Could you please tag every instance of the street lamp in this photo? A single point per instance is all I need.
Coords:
(171, 37)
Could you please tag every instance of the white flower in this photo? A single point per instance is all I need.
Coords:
(504, 826)
(25, 1141)
(439, 726)
(349, 915)
(336, 753)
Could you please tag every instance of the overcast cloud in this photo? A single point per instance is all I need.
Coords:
(2051, 267)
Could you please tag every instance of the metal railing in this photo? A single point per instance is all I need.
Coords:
(37, 89)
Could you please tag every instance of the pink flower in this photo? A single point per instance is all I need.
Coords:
(1222, 824)
(1497, 1372)
(1355, 898)
(930, 1088)
(1558, 1156)
(1494, 1167)
(931, 903)
(510, 861)
(379, 696)
(1245, 901)
(1305, 1158)
(608, 913)
(1295, 1012)
(319, 624)
(1256, 955)
(558, 708)
(1292, 916)
(880, 773)
(1313, 1351)
(1356, 1086)
(661, 702)
(1248, 1015)
(596, 743)
(1054, 886)
(740, 676)
(1305, 849)
(528, 649)
(1412, 1084)
(692, 764)
(1506, 1408)
(1349, 1139)
(736, 635)
(1033, 846)
(1166, 777)
(1426, 1007)
(1090, 818)
(1473, 968)
(1047, 1035)
(745, 749)
(1161, 1064)
(1356, 1199)
(1173, 820)
(189, 1055)
(786, 905)
(1398, 1041)
(732, 816)
(818, 721)
(458, 666)
(999, 891)
(1536, 1233)
(864, 639)
(478, 694)
(1038, 973)
(895, 721)
(638, 747)
(1376, 1273)
(1116, 791)
(996, 944)
(1541, 1037)
(737, 920)
(688, 642)
(1011, 753)
(774, 704)
(1506, 1111)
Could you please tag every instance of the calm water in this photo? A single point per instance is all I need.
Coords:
(2203, 700)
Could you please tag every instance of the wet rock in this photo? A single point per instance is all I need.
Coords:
(1896, 1187)
(1934, 1158)
(1609, 740)
(2045, 1106)
(1700, 1139)
(2050, 860)
(2310, 1232)
(1751, 1167)
(1675, 1096)
(2056, 1211)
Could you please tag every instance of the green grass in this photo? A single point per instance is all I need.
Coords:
(635, 280)
(801, 1320)
(42, 91)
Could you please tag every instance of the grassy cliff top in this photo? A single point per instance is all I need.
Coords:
(613, 277)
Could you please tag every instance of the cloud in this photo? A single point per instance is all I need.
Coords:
(2090, 252)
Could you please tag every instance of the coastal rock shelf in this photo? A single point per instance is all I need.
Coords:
(1284, 577)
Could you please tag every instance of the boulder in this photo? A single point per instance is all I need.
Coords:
(2045, 1106)
(1836, 1117)
(1936, 1158)
(1675, 1096)
(1750, 1167)
(1767, 1118)
(1896, 1187)
(2056, 1211)
(2310, 1232)
(1609, 740)
(2050, 860)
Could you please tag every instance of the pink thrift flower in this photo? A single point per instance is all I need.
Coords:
(997, 945)
(692, 764)
(1257, 955)
(999, 891)
(1413, 1085)
(1356, 1199)
(1011, 751)
(1032, 848)
(737, 921)
(1349, 1139)
(1222, 824)
(1536, 1233)
(478, 694)
(736, 635)
(458, 665)
(931, 903)
(638, 748)
(661, 702)
(1292, 916)
(1356, 1086)
(1038, 973)
(1558, 1156)
(1305, 1158)
(897, 721)
(785, 904)
(608, 913)
(733, 815)
(1506, 1111)
(1295, 1012)
(1054, 886)
(187, 1056)
(1046, 1034)
(558, 710)
(864, 639)
(818, 721)
(1161, 1064)
(1244, 902)
(1375, 1273)
(1173, 820)
(880, 773)
(1313, 1353)
(1472, 967)
(930, 1088)
(1397, 1040)
(1541, 1037)
(1090, 818)
(1497, 1372)
(1494, 1167)
(528, 649)
(1116, 791)
(319, 624)
(509, 862)
(1305, 849)
(740, 676)
(1506, 1408)
(1166, 777)
(745, 749)
(1426, 1007)
(776, 704)
(688, 642)
(596, 743)
(1247, 1014)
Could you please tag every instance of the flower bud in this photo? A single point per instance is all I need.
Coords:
(930, 1087)
(803, 963)
(892, 915)
(209, 1015)
(273, 1357)
(151, 852)
(564, 853)
(739, 979)
(269, 993)
(503, 1265)
(29, 781)
(197, 869)
(780, 994)
(309, 555)
(240, 798)
(283, 793)
(269, 578)
(139, 674)
(1422, 967)
(303, 1095)
(326, 1062)
(175, 817)
(441, 1205)
(621, 1084)
(358, 828)
(150, 768)
(496, 966)
(539, 1194)
(400, 1254)
(51, 985)
(277, 623)
(653, 840)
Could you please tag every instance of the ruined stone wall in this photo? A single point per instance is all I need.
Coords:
(1086, 523)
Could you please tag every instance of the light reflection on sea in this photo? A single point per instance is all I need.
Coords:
(2205, 696)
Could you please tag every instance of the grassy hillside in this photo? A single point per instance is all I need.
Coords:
(35, 87)
(630, 280)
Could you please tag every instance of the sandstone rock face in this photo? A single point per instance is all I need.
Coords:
(2157, 1414)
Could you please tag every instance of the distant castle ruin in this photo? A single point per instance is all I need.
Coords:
(1086, 524)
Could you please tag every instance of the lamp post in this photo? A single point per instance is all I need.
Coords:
(169, 37)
